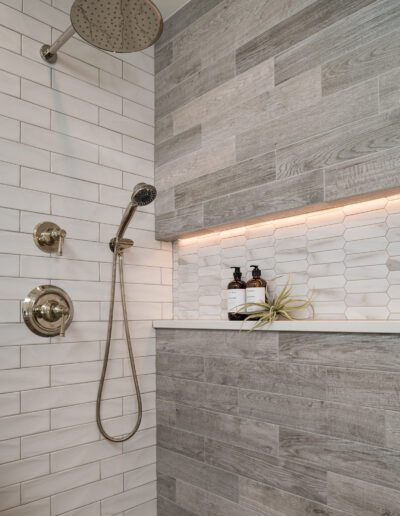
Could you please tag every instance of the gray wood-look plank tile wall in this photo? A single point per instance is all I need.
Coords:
(263, 107)
(281, 424)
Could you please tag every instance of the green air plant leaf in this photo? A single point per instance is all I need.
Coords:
(280, 306)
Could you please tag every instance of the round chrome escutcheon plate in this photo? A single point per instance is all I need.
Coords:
(46, 296)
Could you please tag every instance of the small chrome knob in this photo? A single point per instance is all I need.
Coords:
(48, 311)
(49, 237)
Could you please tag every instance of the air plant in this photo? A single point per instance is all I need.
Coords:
(279, 306)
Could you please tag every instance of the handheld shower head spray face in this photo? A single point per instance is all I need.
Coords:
(144, 194)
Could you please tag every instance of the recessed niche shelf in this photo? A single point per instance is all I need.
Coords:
(293, 326)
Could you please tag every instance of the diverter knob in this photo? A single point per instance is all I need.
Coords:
(49, 237)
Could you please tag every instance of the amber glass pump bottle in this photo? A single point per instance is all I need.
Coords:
(236, 296)
(255, 290)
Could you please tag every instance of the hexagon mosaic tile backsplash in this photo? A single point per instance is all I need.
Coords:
(347, 258)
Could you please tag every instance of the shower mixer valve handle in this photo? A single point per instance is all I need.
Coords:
(48, 311)
(49, 237)
(53, 311)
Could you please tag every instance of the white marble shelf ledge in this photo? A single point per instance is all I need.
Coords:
(295, 326)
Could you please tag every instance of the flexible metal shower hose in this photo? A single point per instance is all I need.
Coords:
(118, 256)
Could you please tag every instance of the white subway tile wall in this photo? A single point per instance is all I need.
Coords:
(347, 260)
(74, 140)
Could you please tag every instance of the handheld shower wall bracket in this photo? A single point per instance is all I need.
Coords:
(122, 244)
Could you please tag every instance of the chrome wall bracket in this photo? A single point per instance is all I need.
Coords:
(49, 237)
(48, 311)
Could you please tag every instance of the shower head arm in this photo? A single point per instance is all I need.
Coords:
(49, 52)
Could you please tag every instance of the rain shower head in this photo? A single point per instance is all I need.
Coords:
(117, 25)
(144, 194)
(113, 25)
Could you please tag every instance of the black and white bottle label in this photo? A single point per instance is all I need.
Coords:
(236, 300)
(255, 295)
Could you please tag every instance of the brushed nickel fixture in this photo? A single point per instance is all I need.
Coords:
(49, 237)
(48, 311)
(142, 195)
(113, 25)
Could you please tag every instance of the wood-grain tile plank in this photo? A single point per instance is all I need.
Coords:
(198, 473)
(257, 435)
(340, 420)
(180, 366)
(282, 378)
(172, 224)
(373, 173)
(211, 343)
(275, 197)
(361, 498)
(197, 84)
(300, 92)
(371, 60)
(216, 102)
(231, 179)
(176, 72)
(268, 469)
(332, 111)
(209, 158)
(186, 443)
(363, 351)
(259, 496)
(380, 389)
(183, 18)
(362, 461)
(205, 503)
(355, 141)
(201, 395)
(302, 25)
(179, 145)
(363, 26)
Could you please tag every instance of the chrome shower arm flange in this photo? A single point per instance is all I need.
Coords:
(49, 52)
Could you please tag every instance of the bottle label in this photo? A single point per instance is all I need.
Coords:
(236, 298)
(255, 295)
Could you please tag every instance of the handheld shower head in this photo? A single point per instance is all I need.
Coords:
(143, 194)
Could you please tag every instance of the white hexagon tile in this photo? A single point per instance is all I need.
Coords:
(347, 259)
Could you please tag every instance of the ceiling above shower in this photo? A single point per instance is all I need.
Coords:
(169, 7)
